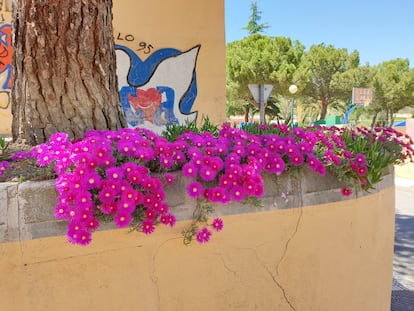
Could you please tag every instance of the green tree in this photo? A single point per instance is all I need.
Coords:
(253, 25)
(393, 86)
(321, 66)
(260, 59)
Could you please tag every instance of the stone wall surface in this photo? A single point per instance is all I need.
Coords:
(26, 209)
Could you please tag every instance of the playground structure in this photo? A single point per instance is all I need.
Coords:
(361, 97)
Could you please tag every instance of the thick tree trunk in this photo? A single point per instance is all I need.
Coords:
(64, 69)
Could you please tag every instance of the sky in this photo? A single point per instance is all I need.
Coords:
(380, 30)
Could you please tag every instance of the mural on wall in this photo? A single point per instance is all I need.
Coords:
(160, 90)
(5, 65)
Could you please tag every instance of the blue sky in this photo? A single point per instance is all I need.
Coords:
(380, 30)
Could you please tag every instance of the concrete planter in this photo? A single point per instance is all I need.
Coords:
(307, 248)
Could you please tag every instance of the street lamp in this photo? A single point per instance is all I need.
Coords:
(292, 90)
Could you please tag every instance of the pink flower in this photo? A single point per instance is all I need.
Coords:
(313, 162)
(168, 219)
(296, 159)
(171, 220)
(360, 159)
(20, 155)
(275, 165)
(166, 161)
(4, 165)
(114, 173)
(169, 179)
(280, 146)
(122, 219)
(190, 170)
(203, 236)
(238, 193)
(125, 205)
(108, 208)
(150, 214)
(216, 164)
(81, 237)
(61, 211)
(164, 219)
(249, 187)
(148, 226)
(129, 194)
(179, 156)
(217, 224)
(362, 171)
(207, 173)
(220, 195)
(163, 208)
(83, 199)
(195, 189)
(291, 149)
(92, 223)
(129, 167)
(107, 195)
(346, 191)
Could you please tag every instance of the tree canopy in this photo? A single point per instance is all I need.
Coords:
(325, 76)
(260, 59)
(321, 66)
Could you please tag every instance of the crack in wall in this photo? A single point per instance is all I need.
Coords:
(274, 279)
(280, 287)
(153, 274)
(289, 240)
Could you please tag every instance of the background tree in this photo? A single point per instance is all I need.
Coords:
(260, 59)
(393, 90)
(64, 69)
(253, 25)
(321, 64)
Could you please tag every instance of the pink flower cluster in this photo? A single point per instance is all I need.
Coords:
(110, 172)
(4, 165)
(93, 175)
(236, 159)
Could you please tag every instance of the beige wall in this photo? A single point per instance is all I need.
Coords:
(335, 256)
(149, 29)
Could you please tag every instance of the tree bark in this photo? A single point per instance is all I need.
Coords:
(374, 119)
(64, 69)
(324, 109)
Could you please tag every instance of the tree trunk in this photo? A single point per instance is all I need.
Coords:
(374, 119)
(324, 109)
(64, 69)
(246, 113)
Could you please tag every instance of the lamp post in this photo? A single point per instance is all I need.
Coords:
(292, 90)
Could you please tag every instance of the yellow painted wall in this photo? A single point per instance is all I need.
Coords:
(153, 26)
(336, 256)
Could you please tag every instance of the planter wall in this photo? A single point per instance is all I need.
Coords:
(307, 248)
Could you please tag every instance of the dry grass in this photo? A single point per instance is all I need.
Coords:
(23, 170)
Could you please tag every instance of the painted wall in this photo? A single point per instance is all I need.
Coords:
(171, 61)
(5, 72)
(335, 256)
